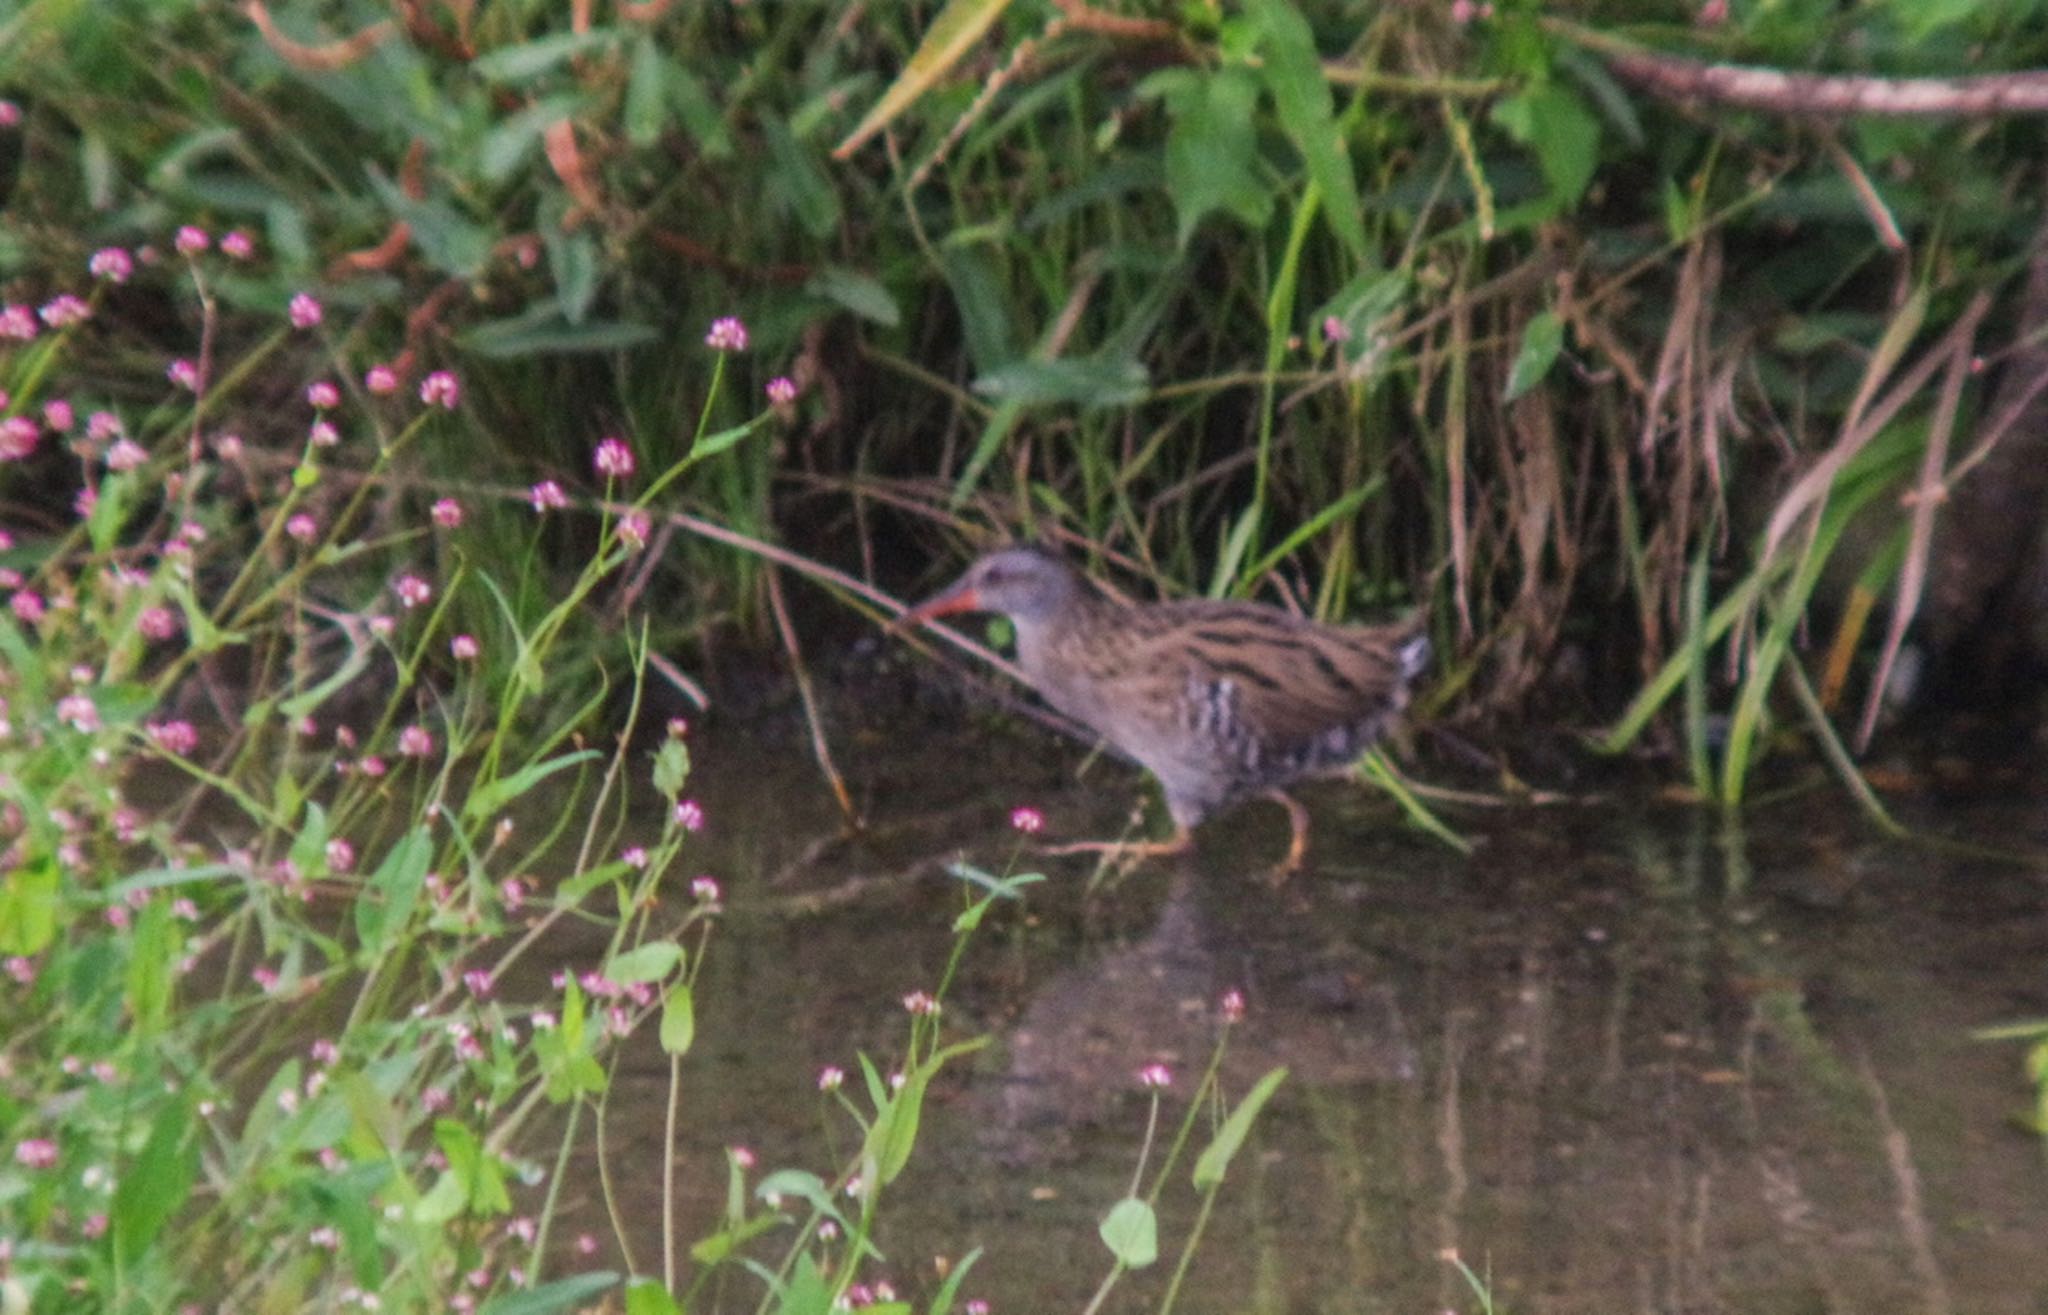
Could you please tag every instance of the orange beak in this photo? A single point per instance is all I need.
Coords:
(960, 598)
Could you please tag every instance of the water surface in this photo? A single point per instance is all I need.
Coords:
(1618, 1058)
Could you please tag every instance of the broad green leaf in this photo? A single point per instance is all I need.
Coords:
(795, 176)
(1616, 105)
(1293, 73)
(646, 1296)
(309, 848)
(646, 963)
(450, 242)
(154, 1186)
(806, 1292)
(532, 58)
(857, 292)
(490, 798)
(1551, 121)
(506, 147)
(576, 888)
(549, 1298)
(28, 907)
(1131, 1232)
(701, 116)
(711, 1250)
(646, 107)
(678, 1020)
(442, 1202)
(805, 1186)
(952, 34)
(1212, 147)
(386, 904)
(153, 957)
(1216, 1156)
(1067, 382)
(982, 301)
(1542, 340)
(574, 261)
(893, 1135)
(671, 768)
(481, 1173)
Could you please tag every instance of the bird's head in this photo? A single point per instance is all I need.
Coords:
(1025, 583)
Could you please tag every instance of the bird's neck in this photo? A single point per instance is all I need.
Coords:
(1057, 638)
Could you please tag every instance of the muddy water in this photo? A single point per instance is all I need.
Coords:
(1617, 1059)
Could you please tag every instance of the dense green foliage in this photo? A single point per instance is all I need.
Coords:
(1349, 302)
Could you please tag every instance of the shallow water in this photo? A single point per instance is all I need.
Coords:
(1616, 1059)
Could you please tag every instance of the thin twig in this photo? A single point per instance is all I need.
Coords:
(821, 749)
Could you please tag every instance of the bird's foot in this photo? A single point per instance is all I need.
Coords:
(1297, 843)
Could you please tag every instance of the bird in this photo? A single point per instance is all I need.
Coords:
(1218, 700)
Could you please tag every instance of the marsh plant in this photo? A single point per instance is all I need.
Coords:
(279, 1029)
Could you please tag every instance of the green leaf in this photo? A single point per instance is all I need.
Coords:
(857, 292)
(647, 963)
(450, 242)
(560, 1295)
(153, 968)
(678, 1020)
(1067, 382)
(712, 444)
(551, 332)
(440, 1203)
(1293, 73)
(1552, 121)
(1542, 340)
(478, 1174)
(646, 108)
(893, 1135)
(671, 768)
(646, 1296)
(155, 1185)
(309, 848)
(951, 35)
(712, 1249)
(531, 58)
(807, 1292)
(804, 1185)
(942, 1300)
(28, 907)
(488, 799)
(1216, 1156)
(575, 888)
(981, 299)
(1131, 1232)
(1212, 146)
(795, 177)
(385, 907)
(507, 145)
(701, 116)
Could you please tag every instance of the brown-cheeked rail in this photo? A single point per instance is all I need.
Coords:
(1218, 700)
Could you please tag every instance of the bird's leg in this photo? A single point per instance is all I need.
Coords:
(1297, 845)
